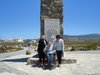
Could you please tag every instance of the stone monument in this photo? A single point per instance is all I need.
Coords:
(51, 18)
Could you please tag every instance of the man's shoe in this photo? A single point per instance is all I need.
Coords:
(43, 66)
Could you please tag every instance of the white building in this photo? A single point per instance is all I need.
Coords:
(14, 40)
(17, 40)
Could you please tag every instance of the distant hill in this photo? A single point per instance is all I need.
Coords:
(87, 36)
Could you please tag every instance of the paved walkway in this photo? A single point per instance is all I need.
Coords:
(88, 63)
(6, 55)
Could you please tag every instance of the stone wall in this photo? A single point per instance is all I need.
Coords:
(51, 9)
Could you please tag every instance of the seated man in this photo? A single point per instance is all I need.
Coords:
(50, 54)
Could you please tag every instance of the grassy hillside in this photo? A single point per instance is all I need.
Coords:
(82, 42)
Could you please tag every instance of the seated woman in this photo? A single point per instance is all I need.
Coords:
(50, 54)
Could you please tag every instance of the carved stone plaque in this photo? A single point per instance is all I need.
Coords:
(52, 28)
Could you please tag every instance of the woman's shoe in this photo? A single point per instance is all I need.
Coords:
(58, 65)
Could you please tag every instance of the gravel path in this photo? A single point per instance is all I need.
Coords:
(4, 68)
(88, 63)
(6, 55)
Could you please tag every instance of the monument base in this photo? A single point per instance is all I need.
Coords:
(32, 61)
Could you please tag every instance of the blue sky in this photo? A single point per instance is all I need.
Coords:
(21, 18)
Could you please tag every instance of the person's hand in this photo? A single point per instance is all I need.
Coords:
(54, 51)
(62, 54)
(44, 50)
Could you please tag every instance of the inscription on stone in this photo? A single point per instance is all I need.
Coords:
(52, 28)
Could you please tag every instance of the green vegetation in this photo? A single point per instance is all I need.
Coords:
(10, 46)
(81, 44)
(28, 52)
(71, 44)
(14, 46)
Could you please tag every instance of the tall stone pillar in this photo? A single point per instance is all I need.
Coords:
(51, 13)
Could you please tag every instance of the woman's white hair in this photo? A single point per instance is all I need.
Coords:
(43, 36)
